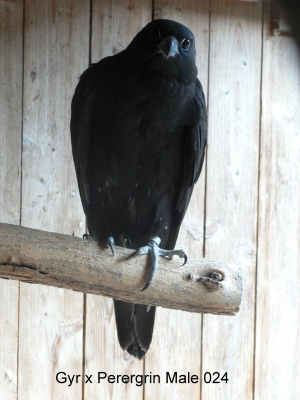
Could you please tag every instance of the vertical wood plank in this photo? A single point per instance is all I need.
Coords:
(56, 48)
(176, 343)
(55, 53)
(11, 49)
(114, 24)
(278, 282)
(232, 180)
(9, 296)
(11, 66)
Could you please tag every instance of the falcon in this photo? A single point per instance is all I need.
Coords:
(138, 131)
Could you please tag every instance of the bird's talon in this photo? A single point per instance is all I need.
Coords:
(139, 251)
(132, 255)
(111, 244)
(86, 236)
(145, 287)
(125, 240)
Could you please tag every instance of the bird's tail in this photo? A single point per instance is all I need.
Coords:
(135, 326)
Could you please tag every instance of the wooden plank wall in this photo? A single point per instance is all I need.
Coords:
(232, 179)
(11, 67)
(56, 40)
(246, 203)
(277, 353)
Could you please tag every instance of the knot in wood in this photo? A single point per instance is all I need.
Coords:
(212, 280)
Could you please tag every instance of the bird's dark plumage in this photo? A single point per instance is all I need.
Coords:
(138, 129)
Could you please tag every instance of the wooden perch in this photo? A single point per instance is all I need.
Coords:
(34, 256)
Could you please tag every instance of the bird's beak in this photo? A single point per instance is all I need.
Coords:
(169, 46)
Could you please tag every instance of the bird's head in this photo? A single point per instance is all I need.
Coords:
(165, 47)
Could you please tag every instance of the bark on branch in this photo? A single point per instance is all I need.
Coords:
(205, 286)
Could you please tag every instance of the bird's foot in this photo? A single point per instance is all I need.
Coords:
(154, 251)
(86, 236)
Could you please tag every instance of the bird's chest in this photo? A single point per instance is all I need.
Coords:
(156, 113)
(152, 129)
(140, 141)
(165, 104)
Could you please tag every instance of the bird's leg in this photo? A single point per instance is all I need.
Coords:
(154, 251)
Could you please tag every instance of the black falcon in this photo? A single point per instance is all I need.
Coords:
(138, 128)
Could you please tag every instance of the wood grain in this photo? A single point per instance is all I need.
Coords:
(11, 66)
(277, 351)
(11, 109)
(9, 300)
(232, 180)
(55, 41)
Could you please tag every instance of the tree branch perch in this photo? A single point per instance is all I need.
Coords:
(205, 286)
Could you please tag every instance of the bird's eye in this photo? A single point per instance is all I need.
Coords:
(154, 35)
(185, 44)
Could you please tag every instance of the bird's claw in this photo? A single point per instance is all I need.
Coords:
(154, 251)
(125, 240)
(171, 253)
(111, 244)
(86, 236)
(110, 241)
